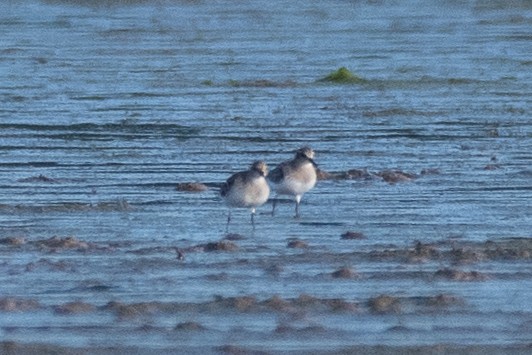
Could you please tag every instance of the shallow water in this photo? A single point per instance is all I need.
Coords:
(106, 107)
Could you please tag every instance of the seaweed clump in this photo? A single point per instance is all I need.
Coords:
(343, 76)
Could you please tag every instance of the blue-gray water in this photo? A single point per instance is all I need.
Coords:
(105, 106)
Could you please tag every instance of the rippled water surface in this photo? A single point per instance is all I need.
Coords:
(107, 106)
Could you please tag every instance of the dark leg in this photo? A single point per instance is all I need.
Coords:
(228, 221)
(253, 218)
(274, 203)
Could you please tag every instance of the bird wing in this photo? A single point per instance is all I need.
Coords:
(277, 174)
(226, 186)
(224, 189)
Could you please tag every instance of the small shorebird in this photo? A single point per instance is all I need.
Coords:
(247, 189)
(295, 177)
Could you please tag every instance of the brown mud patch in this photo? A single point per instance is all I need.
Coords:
(457, 252)
(191, 187)
(13, 241)
(189, 326)
(492, 167)
(384, 304)
(238, 304)
(222, 245)
(441, 300)
(297, 244)
(57, 244)
(76, 307)
(419, 253)
(12, 347)
(352, 235)
(458, 275)
(391, 176)
(345, 273)
(388, 304)
(12, 304)
(351, 174)
(396, 176)
(124, 310)
(238, 350)
(302, 305)
(49, 265)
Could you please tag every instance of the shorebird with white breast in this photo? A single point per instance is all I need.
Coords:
(295, 177)
(247, 189)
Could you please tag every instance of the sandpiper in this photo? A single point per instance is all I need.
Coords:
(247, 189)
(295, 177)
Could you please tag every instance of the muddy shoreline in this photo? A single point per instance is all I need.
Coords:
(13, 348)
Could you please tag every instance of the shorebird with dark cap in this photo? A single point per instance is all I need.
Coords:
(247, 189)
(295, 177)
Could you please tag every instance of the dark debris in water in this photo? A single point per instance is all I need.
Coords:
(40, 178)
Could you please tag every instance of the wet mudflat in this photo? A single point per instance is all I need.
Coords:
(119, 121)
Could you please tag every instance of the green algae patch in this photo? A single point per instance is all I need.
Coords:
(343, 76)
